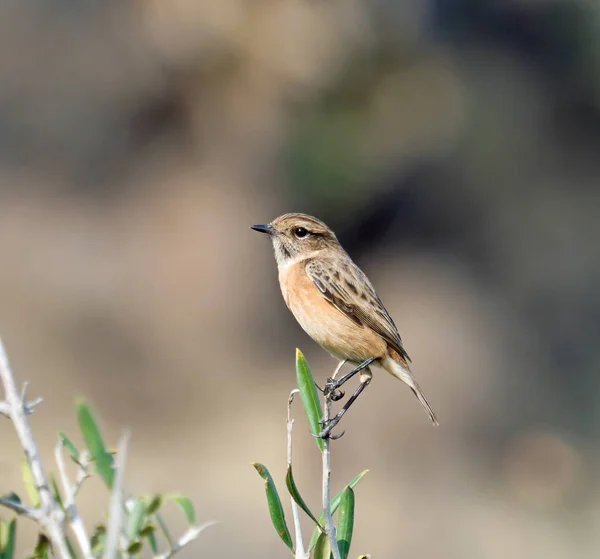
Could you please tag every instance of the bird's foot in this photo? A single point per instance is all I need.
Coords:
(331, 390)
(328, 427)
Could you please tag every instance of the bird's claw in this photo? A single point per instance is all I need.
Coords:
(337, 395)
(326, 434)
(331, 390)
(328, 426)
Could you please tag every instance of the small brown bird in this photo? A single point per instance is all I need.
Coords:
(336, 305)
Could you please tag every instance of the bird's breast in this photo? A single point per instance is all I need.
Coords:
(324, 323)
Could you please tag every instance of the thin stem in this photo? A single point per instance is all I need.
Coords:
(192, 534)
(300, 553)
(329, 525)
(5, 409)
(116, 501)
(73, 516)
(51, 515)
(165, 529)
(24, 510)
(338, 368)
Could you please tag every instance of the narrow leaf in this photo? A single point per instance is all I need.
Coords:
(309, 396)
(335, 503)
(42, 548)
(8, 538)
(293, 489)
(275, 508)
(71, 448)
(154, 504)
(134, 548)
(95, 444)
(185, 505)
(345, 522)
(148, 533)
(322, 547)
(98, 536)
(29, 482)
(136, 520)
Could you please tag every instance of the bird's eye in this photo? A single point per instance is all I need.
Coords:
(300, 232)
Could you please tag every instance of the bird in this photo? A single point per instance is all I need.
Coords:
(337, 306)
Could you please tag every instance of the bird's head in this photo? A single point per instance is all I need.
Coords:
(296, 236)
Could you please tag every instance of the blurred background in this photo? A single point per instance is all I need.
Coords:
(453, 146)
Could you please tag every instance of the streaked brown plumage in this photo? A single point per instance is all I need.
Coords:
(333, 300)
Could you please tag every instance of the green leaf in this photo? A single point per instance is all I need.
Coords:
(8, 538)
(134, 548)
(136, 520)
(309, 397)
(42, 548)
(275, 508)
(345, 522)
(293, 489)
(97, 539)
(32, 492)
(335, 503)
(154, 504)
(71, 448)
(148, 533)
(185, 505)
(322, 547)
(95, 444)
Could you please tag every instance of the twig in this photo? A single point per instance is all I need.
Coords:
(51, 517)
(116, 501)
(165, 529)
(329, 525)
(73, 516)
(19, 508)
(82, 473)
(192, 534)
(300, 553)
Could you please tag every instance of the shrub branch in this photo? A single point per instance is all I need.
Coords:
(49, 514)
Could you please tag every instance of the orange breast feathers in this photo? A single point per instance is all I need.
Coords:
(324, 323)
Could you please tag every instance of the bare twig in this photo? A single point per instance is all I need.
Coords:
(73, 516)
(82, 473)
(51, 517)
(326, 455)
(115, 520)
(300, 553)
(5, 409)
(165, 529)
(338, 368)
(191, 535)
(19, 508)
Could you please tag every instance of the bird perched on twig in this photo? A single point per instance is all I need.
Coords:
(337, 306)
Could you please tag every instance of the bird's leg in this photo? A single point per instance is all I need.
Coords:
(326, 432)
(332, 385)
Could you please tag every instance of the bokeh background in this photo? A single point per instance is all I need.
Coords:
(454, 147)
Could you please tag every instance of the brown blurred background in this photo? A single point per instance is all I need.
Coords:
(452, 144)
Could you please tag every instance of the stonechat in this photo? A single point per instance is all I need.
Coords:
(336, 305)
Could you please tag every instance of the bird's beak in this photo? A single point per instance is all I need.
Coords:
(268, 229)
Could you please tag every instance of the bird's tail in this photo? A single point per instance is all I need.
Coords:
(399, 369)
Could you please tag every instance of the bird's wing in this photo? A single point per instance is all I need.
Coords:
(347, 288)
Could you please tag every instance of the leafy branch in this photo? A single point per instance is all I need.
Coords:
(326, 539)
(133, 523)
